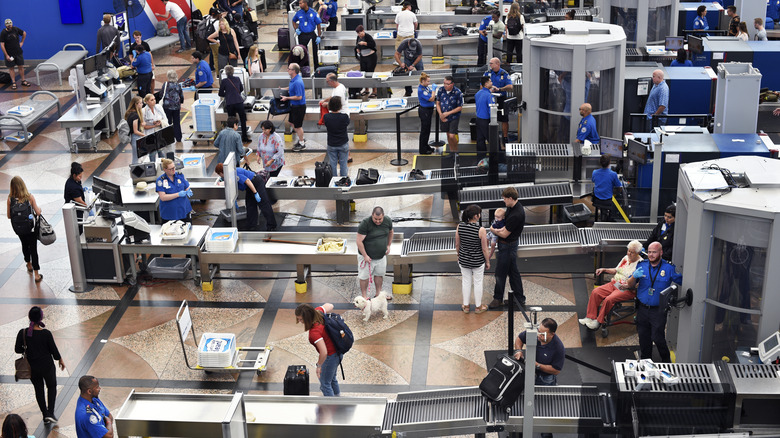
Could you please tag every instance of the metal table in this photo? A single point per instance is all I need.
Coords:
(146, 200)
(441, 17)
(189, 247)
(83, 115)
(431, 43)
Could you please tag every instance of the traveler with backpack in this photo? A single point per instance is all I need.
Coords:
(22, 211)
(318, 322)
(173, 97)
(172, 10)
(253, 62)
(515, 22)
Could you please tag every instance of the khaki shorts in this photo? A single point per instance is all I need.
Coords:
(378, 267)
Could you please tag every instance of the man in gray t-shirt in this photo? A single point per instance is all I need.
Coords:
(758, 23)
(374, 236)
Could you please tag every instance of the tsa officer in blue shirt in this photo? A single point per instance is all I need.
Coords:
(93, 419)
(307, 26)
(501, 84)
(604, 180)
(650, 278)
(483, 99)
(174, 192)
(143, 65)
(586, 130)
(483, 40)
(700, 22)
(658, 100)
(253, 184)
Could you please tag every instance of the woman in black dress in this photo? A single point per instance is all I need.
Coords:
(365, 50)
(41, 349)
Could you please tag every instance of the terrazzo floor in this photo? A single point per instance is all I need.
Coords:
(126, 336)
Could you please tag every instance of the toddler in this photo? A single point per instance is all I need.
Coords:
(498, 222)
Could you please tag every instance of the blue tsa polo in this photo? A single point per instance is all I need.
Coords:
(307, 21)
(500, 79)
(425, 93)
(90, 418)
(297, 89)
(655, 280)
(242, 175)
(178, 208)
(587, 130)
(483, 25)
(203, 74)
(483, 99)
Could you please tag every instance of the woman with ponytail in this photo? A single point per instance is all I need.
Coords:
(38, 344)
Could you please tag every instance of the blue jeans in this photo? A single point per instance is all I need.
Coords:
(506, 264)
(338, 155)
(329, 384)
(546, 380)
(184, 35)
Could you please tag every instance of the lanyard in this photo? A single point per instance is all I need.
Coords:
(652, 278)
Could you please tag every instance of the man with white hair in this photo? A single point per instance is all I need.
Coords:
(658, 99)
(615, 291)
(338, 90)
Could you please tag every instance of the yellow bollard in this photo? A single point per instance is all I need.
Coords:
(402, 289)
(207, 286)
(301, 287)
(287, 137)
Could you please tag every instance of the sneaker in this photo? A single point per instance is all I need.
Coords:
(585, 321)
(50, 419)
(593, 324)
(181, 50)
(495, 304)
(396, 63)
(298, 147)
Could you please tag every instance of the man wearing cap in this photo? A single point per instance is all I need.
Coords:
(11, 41)
(173, 10)
(409, 55)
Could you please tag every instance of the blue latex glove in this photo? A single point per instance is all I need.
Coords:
(638, 273)
(317, 40)
(91, 213)
(257, 197)
(297, 32)
(182, 193)
(189, 193)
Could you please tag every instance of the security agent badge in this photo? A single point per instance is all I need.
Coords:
(94, 417)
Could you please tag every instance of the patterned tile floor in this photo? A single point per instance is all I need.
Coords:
(126, 336)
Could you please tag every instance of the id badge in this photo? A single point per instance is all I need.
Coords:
(652, 291)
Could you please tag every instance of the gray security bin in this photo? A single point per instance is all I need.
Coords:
(166, 267)
(576, 212)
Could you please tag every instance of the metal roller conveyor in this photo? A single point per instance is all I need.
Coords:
(532, 194)
(553, 161)
(561, 409)
(437, 413)
(440, 17)
(615, 234)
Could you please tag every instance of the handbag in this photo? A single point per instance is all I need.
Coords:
(370, 176)
(323, 111)
(160, 95)
(232, 56)
(45, 233)
(23, 370)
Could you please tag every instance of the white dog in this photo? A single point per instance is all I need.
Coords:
(374, 305)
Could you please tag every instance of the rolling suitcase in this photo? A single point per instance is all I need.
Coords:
(504, 382)
(323, 173)
(296, 380)
(283, 38)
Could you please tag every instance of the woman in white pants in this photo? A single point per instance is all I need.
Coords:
(472, 246)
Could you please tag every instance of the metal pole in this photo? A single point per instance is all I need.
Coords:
(530, 379)
(73, 238)
(398, 161)
(436, 143)
(656, 184)
(493, 139)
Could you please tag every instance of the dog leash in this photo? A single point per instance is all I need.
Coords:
(370, 277)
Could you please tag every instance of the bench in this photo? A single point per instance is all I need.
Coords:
(160, 42)
(62, 61)
(41, 107)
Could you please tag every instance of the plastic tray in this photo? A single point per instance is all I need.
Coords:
(576, 212)
(172, 268)
(186, 234)
(343, 247)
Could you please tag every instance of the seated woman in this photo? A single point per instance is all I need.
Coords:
(614, 291)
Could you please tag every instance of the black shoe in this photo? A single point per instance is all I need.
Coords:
(50, 419)
(427, 151)
(298, 147)
(408, 94)
(246, 140)
(495, 304)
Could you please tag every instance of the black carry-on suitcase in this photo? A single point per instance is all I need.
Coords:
(323, 173)
(296, 380)
(504, 382)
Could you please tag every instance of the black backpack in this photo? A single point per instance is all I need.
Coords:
(22, 217)
(340, 334)
(514, 26)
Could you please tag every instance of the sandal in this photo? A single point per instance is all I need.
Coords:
(364, 93)
(481, 309)
(465, 309)
(29, 267)
(13, 86)
(372, 96)
(25, 83)
(39, 278)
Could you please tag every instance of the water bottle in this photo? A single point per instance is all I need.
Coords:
(342, 333)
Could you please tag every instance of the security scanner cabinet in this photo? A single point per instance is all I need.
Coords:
(691, 91)
(645, 22)
(687, 13)
(723, 49)
(736, 110)
(733, 145)
(582, 62)
(638, 82)
(727, 220)
(766, 58)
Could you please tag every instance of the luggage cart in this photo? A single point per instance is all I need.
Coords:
(239, 362)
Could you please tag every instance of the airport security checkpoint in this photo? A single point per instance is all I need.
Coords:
(630, 135)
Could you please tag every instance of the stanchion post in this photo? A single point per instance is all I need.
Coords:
(436, 143)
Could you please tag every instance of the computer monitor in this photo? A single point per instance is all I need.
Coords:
(769, 348)
(90, 65)
(146, 145)
(637, 152)
(695, 45)
(165, 136)
(612, 147)
(100, 61)
(107, 190)
(673, 43)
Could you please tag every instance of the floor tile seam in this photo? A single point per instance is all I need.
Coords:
(422, 342)
(9, 270)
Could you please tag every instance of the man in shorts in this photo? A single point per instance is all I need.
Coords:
(449, 104)
(297, 98)
(11, 41)
(374, 237)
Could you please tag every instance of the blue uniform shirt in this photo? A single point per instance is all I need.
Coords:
(499, 79)
(307, 21)
(687, 63)
(333, 8)
(603, 181)
(143, 63)
(242, 175)
(90, 418)
(450, 101)
(483, 25)
(700, 23)
(659, 96)
(297, 89)
(178, 208)
(587, 130)
(203, 74)
(425, 93)
(655, 280)
(483, 99)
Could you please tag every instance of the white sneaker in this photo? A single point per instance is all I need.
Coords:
(585, 321)
(593, 324)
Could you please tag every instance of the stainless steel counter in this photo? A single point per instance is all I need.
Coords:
(206, 188)
(189, 246)
(145, 200)
(441, 17)
(88, 116)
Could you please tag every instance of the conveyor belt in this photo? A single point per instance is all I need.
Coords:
(604, 233)
(694, 378)
(429, 242)
(572, 409)
(447, 412)
(549, 235)
(537, 194)
(463, 172)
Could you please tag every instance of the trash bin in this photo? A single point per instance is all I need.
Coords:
(171, 268)
(576, 212)
(473, 129)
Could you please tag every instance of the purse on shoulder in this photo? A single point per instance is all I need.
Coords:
(22, 365)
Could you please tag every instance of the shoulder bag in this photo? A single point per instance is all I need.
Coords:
(23, 370)
(45, 231)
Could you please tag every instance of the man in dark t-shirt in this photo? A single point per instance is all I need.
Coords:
(374, 236)
(506, 258)
(11, 41)
(550, 353)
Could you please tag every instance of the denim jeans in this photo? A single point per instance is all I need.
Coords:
(546, 380)
(506, 264)
(184, 35)
(338, 155)
(329, 384)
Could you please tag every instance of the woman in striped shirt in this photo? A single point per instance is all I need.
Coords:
(472, 246)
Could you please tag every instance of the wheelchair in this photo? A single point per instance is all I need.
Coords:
(623, 312)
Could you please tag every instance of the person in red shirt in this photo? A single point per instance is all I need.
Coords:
(328, 360)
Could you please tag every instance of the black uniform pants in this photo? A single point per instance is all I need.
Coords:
(426, 116)
(651, 326)
(49, 376)
(144, 84)
(482, 52)
(483, 134)
(265, 205)
(304, 39)
(506, 265)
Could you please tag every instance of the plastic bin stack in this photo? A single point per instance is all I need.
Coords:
(576, 212)
(170, 268)
(216, 350)
(222, 240)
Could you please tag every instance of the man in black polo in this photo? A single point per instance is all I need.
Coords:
(506, 258)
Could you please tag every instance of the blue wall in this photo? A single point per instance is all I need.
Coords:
(45, 32)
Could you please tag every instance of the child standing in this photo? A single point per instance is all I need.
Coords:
(498, 222)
